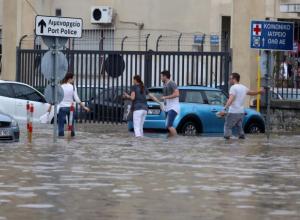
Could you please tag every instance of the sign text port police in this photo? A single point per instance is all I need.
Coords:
(58, 26)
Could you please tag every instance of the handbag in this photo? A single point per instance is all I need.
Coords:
(128, 114)
(44, 118)
(47, 117)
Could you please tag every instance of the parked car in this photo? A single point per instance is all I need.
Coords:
(198, 108)
(106, 104)
(9, 129)
(14, 97)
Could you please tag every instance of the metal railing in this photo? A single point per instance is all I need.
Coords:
(103, 76)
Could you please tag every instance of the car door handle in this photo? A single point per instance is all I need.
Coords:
(19, 104)
(214, 110)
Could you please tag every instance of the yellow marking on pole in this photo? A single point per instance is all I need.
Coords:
(258, 83)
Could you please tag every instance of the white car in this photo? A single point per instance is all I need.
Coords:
(14, 97)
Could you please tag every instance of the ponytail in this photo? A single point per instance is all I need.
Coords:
(140, 82)
(142, 87)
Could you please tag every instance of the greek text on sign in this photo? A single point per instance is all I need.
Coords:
(272, 35)
(58, 26)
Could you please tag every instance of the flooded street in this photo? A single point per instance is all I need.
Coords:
(105, 173)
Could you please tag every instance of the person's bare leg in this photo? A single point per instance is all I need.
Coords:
(172, 132)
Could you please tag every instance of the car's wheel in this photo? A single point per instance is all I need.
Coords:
(254, 128)
(190, 128)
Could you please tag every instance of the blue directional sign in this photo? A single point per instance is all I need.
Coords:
(272, 35)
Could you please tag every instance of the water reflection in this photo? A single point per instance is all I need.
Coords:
(107, 174)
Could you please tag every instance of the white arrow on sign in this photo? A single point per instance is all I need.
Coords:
(58, 26)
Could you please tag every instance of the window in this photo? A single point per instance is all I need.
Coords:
(158, 93)
(27, 93)
(58, 12)
(216, 97)
(191, 96)
(5, 90)
(95, 39)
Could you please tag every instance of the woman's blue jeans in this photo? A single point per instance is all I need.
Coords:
(61, 118)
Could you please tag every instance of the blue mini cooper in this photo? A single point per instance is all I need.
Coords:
(198, 108)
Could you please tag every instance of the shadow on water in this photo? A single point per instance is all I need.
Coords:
(105, 173)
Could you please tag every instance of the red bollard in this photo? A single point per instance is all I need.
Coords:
(30, 111)
(28, 119)
(27, 110)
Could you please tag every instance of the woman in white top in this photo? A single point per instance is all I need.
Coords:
(70, 96)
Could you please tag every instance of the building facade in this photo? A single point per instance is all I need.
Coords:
(170, 25)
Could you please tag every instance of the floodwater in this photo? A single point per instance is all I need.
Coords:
(105, 173)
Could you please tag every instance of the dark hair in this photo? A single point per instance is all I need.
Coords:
(67, 77)
(140, 82)
(236, 76)
(166, 73)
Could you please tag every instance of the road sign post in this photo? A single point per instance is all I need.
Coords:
(55, 31)
(54, 86)
(268, 36)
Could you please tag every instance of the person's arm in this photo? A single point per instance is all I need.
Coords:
(77, 100)
(49, 108)
(131, 96)
(153, 98)
(252, 92)
(175, 94)
(229, 101)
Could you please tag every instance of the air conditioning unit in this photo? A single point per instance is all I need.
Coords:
(101, 15)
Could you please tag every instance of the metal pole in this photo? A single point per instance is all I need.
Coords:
(54, 86)
(268, 97)
(148, 35)
(122, 43)
(160, 36)
(179, 38)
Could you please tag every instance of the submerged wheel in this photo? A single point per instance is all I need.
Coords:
(254, 128)
(190, 128)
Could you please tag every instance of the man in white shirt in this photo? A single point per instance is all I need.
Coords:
(235, 106)
(171, 101)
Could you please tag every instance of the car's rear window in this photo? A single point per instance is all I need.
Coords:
(216, 97)
(191, 96)
(5, 90)
(158, 93)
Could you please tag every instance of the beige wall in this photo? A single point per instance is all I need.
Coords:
(273, 11)
(244, 58)
(158, 17)
(11, 32)
(166, 17)
(1, 13)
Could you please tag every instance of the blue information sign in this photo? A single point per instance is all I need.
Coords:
(214, 39)
(199, 39)
(272, 35)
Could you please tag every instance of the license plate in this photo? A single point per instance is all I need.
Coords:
(4, 133)
(153, 111)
